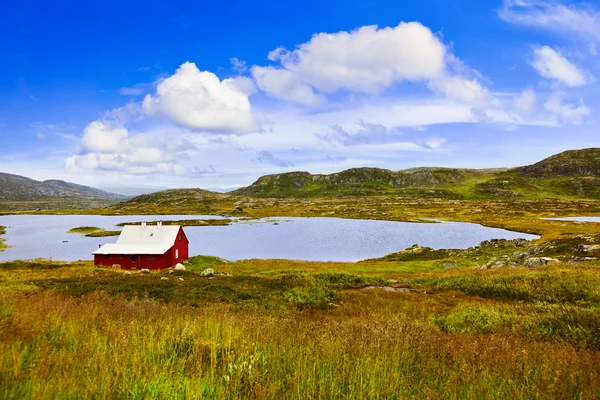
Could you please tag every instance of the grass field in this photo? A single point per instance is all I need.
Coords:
(284, 329)
(271, 329)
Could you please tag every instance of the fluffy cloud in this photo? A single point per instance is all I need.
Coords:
(566, 112)
(550, 64)
(525, 102)
(101, 137)
(199, 100)
(461, 89)
(364, 134)
(553, 16)
(285, 85)
(366, 60)
(107, 146)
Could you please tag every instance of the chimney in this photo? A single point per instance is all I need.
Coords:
(159, 224)
(143, 225)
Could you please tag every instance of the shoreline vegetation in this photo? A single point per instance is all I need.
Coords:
(185, 222)
(3, 245)
(93, 231)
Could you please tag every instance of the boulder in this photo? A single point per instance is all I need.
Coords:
(450, 265)
(207, 272)
(587, 248)
(534, 262)
(144, 271)
(164, 278)
(181, 279)
(126, 273)
(179, 267)
(520, 254)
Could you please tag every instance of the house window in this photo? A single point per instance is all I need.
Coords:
(120, 257)
(132, 258)
(148, 257)
(106, 256)
(176, 253)
(179, 237)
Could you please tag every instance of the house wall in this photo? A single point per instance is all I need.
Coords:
(155, 261)
(181, 244)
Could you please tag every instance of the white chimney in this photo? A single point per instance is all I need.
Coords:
(159, 224)
(143, 225)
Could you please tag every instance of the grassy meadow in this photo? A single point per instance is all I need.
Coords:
(419, 323)
(271, 329)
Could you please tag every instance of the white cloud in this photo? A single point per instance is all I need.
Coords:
(461, 89)
(101, 137)
(238, 65)
(136, 90)
(583, 20)
(366, 60)
(107, 145)
(550, 64)
(525, 102)
(285, 85)
(566, 112)
(199, 100)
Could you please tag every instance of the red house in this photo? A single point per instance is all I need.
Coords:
(142, 246)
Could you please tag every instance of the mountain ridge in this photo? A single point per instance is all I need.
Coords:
(18, 192)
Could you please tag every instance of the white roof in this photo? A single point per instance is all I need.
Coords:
(136, 239)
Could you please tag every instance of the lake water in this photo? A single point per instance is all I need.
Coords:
(312, 239)
(577, 219)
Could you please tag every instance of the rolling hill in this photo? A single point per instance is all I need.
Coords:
(19, 192)
(570, 175)
(574, 173)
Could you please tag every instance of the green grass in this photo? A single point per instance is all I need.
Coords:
(103, 233)
(84, 229)
(297, 330)
(3, 245)
(93, 231)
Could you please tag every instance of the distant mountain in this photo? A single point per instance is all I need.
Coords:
(170, 201)
(424, 181)
(132, 191)
(19, 192)
(573, 163)
(574, 173)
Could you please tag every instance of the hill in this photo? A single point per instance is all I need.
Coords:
(19, 192)
(170, 201)
(574, 173)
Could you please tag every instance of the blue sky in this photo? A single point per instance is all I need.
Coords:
(187, 94)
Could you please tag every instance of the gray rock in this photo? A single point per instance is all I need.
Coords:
(144, 271)
(207, 272)
(498, 264)
(534, 262)
(164, 278)
(181, 279)
(179, 267)
(520, 254)
(587, 248)
(450, 265)
(126, 273)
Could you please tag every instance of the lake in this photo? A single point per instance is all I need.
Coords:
(311, 239)
(577, 219)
